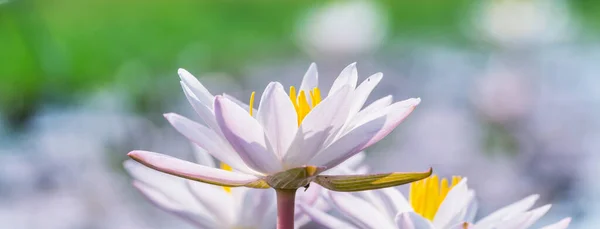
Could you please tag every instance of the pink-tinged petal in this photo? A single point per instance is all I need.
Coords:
(359, 211)
(199, 219)
(374, 128)
(310, 79)
(320, 123)
(278, 116)
(170, 186)
(195, 87)
(209, 140)
(246, 136)
(563, 224)
(348, 77)
(203, 110)
(452, 209)
(214, 198)
(243, 105)
(412, 220)
(362, 92)
(189, 170)
(323, 218)
(507, 212)
(374, 107)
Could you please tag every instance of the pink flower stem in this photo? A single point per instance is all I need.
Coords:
(286, 199)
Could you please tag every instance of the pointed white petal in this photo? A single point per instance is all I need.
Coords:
(214, 198)
(530, 218)
(196, 87)
(463, 225)
(508, 211)
(310, 79)
(376, 106)
(189, 170)
(374, 128)
(246, 136)
(202, 156)
(362, 92)
(203, 110)
(201, 220)
(411, 220)
(323, 218)
(209, 140)
(320, 123)
(348, 77)
(359, 211)
(277, 115)
(563, 224)
(455, 203)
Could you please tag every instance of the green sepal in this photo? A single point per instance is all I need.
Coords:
(353, 183)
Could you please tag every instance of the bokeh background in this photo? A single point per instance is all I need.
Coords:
(510, 92)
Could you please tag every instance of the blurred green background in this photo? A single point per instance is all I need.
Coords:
(56, 51)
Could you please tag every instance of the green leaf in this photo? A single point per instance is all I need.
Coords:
(353, 183)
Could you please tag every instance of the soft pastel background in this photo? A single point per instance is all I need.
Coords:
(510, 92)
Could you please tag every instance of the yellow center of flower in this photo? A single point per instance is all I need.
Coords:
(302, 101)
(228, 168)
(427, 195)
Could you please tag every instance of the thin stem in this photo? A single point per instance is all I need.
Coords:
(286, 199)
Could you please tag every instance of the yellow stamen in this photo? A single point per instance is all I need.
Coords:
(301, 101)
(427, 195)
(303, 107)
(251, 105)
(228, 168)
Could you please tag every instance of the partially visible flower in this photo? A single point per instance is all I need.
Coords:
(205, 205)
(433, 204)
(291, 138)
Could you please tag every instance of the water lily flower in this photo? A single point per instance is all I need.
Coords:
(432, 204)
(290, 139)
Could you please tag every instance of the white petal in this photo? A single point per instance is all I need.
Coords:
(375, 128)
(362, 92)
(375, 106)
(209, 140)
(310, 79)
(278, 116)
(455, 203)
(463, 225)
(323, 218)
(396, 201)
(243, 105)
(348, 76)
(246, 136)
(189, 170)
(202, 156)
(320, 123)
(203, 110)
(161, 200)
(563, 224)
(507, 212)
(532, 217)
(214, 198)
(196, 87)
(172, 187)
(256, 205)
(359, 211)
(411, 220)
